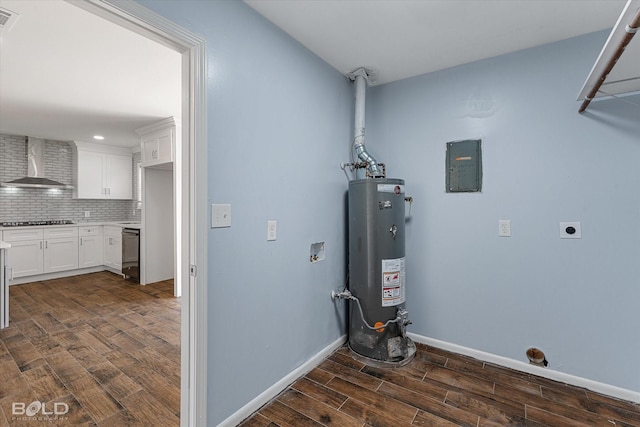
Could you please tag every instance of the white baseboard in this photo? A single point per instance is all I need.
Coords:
(58, 275)
(264, 397)
(609, 390)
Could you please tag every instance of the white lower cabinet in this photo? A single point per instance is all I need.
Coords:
(90, 246)
(27, 257)
(45, 250)
(113, 247)
(41, 251)
(60, 254)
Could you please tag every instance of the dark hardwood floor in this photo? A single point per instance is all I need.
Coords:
(110, 350)
(106, 347)
(437, 388)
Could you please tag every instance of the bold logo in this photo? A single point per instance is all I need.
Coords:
(39, 409)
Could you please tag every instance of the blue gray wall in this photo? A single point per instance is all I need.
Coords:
(280, 123)
(279, 126)
(577, 300)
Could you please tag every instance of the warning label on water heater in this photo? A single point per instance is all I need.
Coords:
(393, 277)
(390, 188)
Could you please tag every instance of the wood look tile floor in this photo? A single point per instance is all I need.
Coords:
(106, 347)
(437, 388)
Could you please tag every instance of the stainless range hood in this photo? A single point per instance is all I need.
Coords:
(35, 169)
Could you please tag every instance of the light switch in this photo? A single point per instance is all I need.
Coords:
(220, 215)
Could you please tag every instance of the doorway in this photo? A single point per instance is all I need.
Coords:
(190, 191)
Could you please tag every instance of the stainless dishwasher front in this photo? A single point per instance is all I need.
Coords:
(131, 253)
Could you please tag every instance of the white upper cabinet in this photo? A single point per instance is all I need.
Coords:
(102, 172)
(119, 177)
(158, 143)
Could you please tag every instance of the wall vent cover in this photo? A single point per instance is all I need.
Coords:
(7, 19)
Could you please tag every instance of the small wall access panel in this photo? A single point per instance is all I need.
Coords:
(464, 166)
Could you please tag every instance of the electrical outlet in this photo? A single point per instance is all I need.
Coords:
(504, 228)
(272, 230)
(87, 214)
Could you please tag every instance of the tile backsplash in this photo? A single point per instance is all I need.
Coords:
(29, 204)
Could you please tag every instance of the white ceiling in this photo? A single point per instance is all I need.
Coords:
(405, 38)
(66, 74)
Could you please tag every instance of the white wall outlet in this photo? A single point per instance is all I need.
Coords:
(220, 216)
(87, 214)
(504, 228)
(272, 230)
(570, 230)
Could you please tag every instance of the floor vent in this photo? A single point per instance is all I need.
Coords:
(7, 19)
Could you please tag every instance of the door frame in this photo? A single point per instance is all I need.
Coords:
(191, 192)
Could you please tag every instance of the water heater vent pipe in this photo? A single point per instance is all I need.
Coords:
(360, 78)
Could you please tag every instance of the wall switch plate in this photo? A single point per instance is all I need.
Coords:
(570, 230)
(272, 230)
(504, 228)
(220, 216)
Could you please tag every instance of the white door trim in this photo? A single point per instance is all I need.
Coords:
(191, 182)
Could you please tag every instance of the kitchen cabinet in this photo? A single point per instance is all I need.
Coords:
(38, 251)
(157, 148)
(27, 251)
(158, 143)
(102, 172)
(113, 247)
(90, 246)
(60, 249)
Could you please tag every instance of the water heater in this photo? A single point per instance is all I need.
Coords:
(377, 315)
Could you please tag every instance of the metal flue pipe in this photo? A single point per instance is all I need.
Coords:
(360, 80)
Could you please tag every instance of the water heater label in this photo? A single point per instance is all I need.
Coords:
(390, 188)
(393, 278)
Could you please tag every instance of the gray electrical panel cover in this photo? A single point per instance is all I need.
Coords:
(464, 166)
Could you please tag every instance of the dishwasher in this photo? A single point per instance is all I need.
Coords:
(131, 253)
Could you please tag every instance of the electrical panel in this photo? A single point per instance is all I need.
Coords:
(464, 166)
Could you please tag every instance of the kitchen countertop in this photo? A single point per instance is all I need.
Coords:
(123, 224)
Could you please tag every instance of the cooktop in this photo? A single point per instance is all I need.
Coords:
(38, 222)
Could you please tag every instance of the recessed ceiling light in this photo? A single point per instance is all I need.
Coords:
(98, 137)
